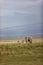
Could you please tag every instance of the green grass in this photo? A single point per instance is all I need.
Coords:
(21, 54)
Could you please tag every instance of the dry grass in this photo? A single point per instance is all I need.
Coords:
(37, 40)
(21, 54)
(13, 41)
(14, 52)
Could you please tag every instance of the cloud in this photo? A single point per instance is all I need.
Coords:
(19, 3)
(1, 1)
(22, 3)
(6, 12)
(11, 7)
(27, 3)
(10, 10)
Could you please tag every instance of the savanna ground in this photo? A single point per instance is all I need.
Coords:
(14, 53)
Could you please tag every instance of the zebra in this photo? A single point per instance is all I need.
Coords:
(28, 39)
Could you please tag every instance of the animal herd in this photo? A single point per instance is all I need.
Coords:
(26, 40)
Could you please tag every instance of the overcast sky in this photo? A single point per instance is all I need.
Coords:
(19, 12)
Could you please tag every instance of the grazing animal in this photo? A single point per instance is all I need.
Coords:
(30, 39)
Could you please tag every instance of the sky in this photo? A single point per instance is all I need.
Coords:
(19, 12)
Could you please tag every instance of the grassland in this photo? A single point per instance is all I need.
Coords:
(12, 41)
(21, 54)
